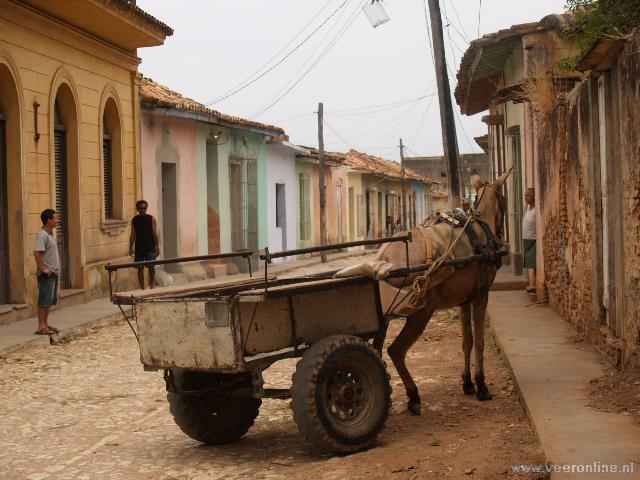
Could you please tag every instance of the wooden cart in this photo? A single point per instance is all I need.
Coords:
(214, 339)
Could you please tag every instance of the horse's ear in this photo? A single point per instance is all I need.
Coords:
(476, 181)
(498, 182)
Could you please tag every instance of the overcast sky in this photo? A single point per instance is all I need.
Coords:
(377, 85)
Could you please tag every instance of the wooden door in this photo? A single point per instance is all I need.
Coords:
(4, 267)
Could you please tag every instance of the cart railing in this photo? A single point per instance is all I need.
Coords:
(267, 256)
(152, 263)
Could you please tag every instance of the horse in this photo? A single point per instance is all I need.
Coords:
(448, 286)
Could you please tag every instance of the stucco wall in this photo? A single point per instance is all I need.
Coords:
(281, 169)
(334, 177)
(174, 141)
(43, 60)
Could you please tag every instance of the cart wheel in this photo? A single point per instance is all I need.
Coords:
(205, 411)
(341, 394)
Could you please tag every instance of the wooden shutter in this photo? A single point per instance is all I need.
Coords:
(60, 167)
(251, 202)
(108, 175)
(237, 208)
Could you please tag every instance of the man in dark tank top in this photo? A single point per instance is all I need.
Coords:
(143, 243)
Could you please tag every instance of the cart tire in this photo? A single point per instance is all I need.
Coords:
(212, 418)
(341, 394)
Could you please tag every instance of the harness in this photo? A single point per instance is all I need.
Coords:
(460, 219)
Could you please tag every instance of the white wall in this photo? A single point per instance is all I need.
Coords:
(281, 169)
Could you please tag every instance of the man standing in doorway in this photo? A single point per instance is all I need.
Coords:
(529, 238)
(143, 243)
(48, 270)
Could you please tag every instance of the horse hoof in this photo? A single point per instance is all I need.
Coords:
(468, 388)
(483, 395)
(414, 408)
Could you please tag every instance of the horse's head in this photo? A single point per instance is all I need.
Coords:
(490, 201)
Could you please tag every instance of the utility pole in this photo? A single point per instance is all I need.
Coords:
(449, 139)
(404, 194)
(323, 193)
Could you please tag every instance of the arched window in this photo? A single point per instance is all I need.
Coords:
(112, 170)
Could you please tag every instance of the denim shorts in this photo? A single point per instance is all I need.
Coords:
(47, 290)
(144, 257)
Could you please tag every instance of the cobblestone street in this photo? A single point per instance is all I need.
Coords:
(85, 409)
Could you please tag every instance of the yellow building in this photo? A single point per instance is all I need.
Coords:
(69, 137)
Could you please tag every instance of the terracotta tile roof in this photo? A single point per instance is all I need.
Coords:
(372, 164)
(129, 8)
(482, 85)
(155, 95)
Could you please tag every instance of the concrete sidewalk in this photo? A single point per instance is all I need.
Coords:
(76, 320)
(551, 373)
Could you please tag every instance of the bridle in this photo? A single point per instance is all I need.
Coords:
(501, 206)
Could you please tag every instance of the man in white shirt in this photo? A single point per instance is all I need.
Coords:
(529, 238)
(48, 270)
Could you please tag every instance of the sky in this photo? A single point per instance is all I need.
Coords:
(377, 84)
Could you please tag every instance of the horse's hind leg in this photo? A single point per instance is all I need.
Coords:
(413, 328)
(479, 315)
(467, 344)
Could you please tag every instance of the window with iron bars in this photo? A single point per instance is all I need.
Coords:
(305, 207)
(243, 176)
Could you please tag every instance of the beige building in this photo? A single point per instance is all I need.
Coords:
(69, 138)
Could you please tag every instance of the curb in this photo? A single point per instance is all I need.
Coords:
(75, 331)
(514, 379)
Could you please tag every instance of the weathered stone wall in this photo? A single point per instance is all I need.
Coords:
(567, 149)
(629, 77)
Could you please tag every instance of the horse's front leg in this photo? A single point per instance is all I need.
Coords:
(467, 343)
(479, 315)
(413, 328)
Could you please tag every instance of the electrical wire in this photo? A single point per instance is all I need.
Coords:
(390, 106)
(426, 19)
(311, 57)
(326, 122)
(395, 119)
(479, 13)
(246, 83)
(317, 60)
(455, 10)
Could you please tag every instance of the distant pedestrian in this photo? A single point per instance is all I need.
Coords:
(48, 270)
(529, 237)
(398, 227)
(143, 244)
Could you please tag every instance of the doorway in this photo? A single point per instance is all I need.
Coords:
(4, 244)
(61, 162)
(281, 213)
(169, 210)
(339, 206)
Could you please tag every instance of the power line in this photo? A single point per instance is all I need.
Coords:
(337, 134)
(377, 108)
(311, 57)
(426, 20)
(395, 131)
(395, 119)
(246, 84)
(316, 62)
(302, 115)
(479, 12)
(455, 10)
